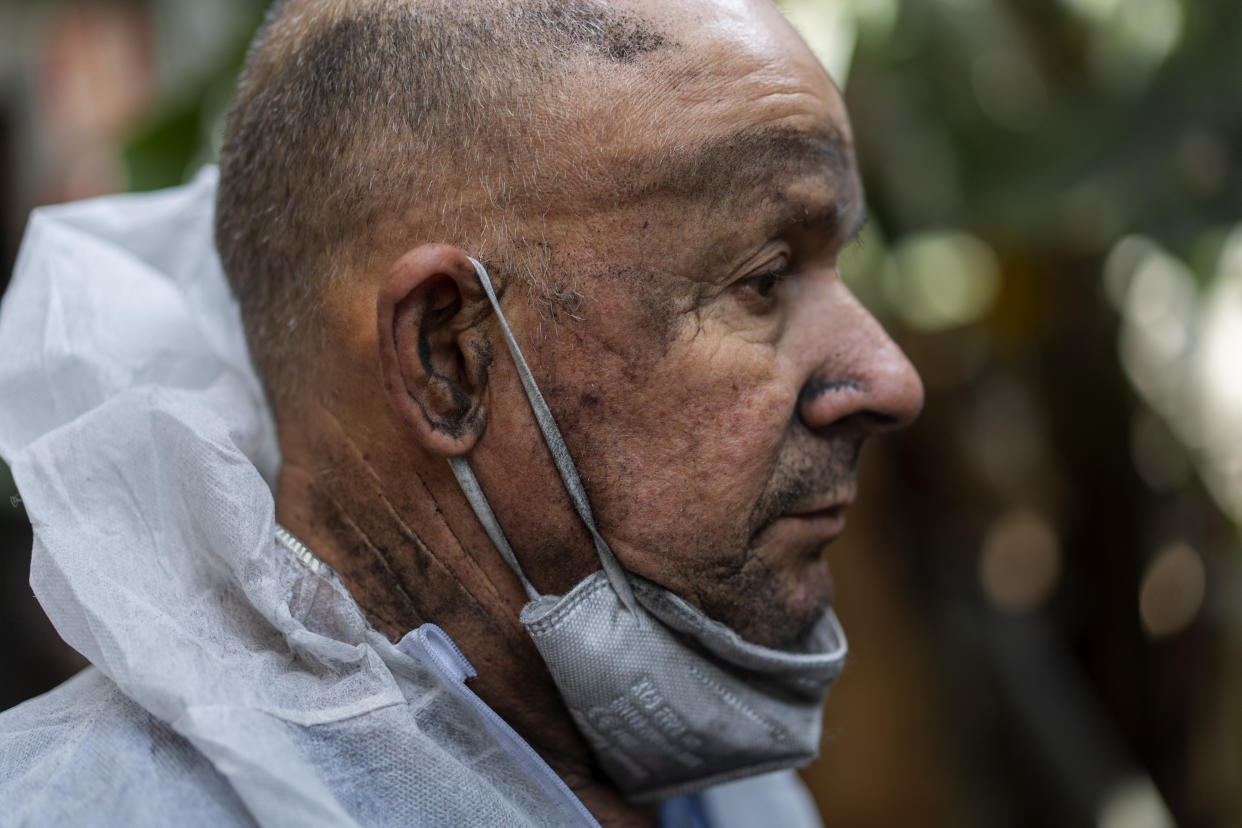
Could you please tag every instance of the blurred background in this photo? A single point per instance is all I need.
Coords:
(1042, 581)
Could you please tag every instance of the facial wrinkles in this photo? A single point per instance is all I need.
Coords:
(727, 76)
(789, 582)
(815, 469)
(699, 376)
(809, 474)
(687, 433)
(685, 414)
(676, 291)
(808, 471)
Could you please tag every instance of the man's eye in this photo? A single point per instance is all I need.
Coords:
(762, 287)
(765, 282)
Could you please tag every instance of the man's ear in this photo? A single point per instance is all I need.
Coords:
(433, 364)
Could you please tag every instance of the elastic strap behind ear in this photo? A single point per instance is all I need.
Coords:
(560, 456)
(483, 511)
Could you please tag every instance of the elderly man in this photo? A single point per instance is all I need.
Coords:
(568, 399)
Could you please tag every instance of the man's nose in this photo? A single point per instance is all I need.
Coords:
(862, 380)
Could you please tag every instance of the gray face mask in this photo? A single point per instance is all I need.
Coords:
(669, 700)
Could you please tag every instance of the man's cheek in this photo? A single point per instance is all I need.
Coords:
(711, 356)
(732, 385)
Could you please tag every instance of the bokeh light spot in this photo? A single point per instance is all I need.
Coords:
(1009, 90)
(1100, 10)
(1135, 803)
(1021, 562)
(1172, 590)
(1122, 263)
(830, 31)
(1159, 310)
(943, 280)
(1132, 40)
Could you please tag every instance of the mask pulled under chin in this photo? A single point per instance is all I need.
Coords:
(669, 700)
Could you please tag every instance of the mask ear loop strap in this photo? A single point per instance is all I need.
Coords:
(483, 511)
(560, 456)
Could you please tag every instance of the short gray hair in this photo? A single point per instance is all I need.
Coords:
(351, 115)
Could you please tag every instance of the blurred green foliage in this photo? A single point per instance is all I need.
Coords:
(160, 155)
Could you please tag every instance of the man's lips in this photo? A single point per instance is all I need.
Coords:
(828, 522)
(814, 522)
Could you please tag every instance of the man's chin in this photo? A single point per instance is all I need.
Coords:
(780, 610)
(810, 599)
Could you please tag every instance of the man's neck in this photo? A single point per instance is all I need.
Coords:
(408, 561)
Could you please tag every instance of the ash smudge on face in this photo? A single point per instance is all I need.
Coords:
(649, 298)
(626, 38)
(816, 387)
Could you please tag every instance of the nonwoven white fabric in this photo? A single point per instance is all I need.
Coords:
(231, 684)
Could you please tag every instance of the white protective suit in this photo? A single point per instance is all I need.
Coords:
(234, 679)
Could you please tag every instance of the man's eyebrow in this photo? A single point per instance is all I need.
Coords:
(841, 217)
(736, 165)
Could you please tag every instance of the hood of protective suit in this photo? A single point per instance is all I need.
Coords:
(145, 455)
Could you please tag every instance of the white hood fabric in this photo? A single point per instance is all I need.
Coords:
(235, 681)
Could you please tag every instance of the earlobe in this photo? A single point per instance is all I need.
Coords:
(434, 367)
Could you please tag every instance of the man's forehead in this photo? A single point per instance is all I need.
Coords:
(717, 44)
(819, 157)
(752, 21)
(731, 97)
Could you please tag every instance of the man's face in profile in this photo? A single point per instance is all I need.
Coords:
(718, 389)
